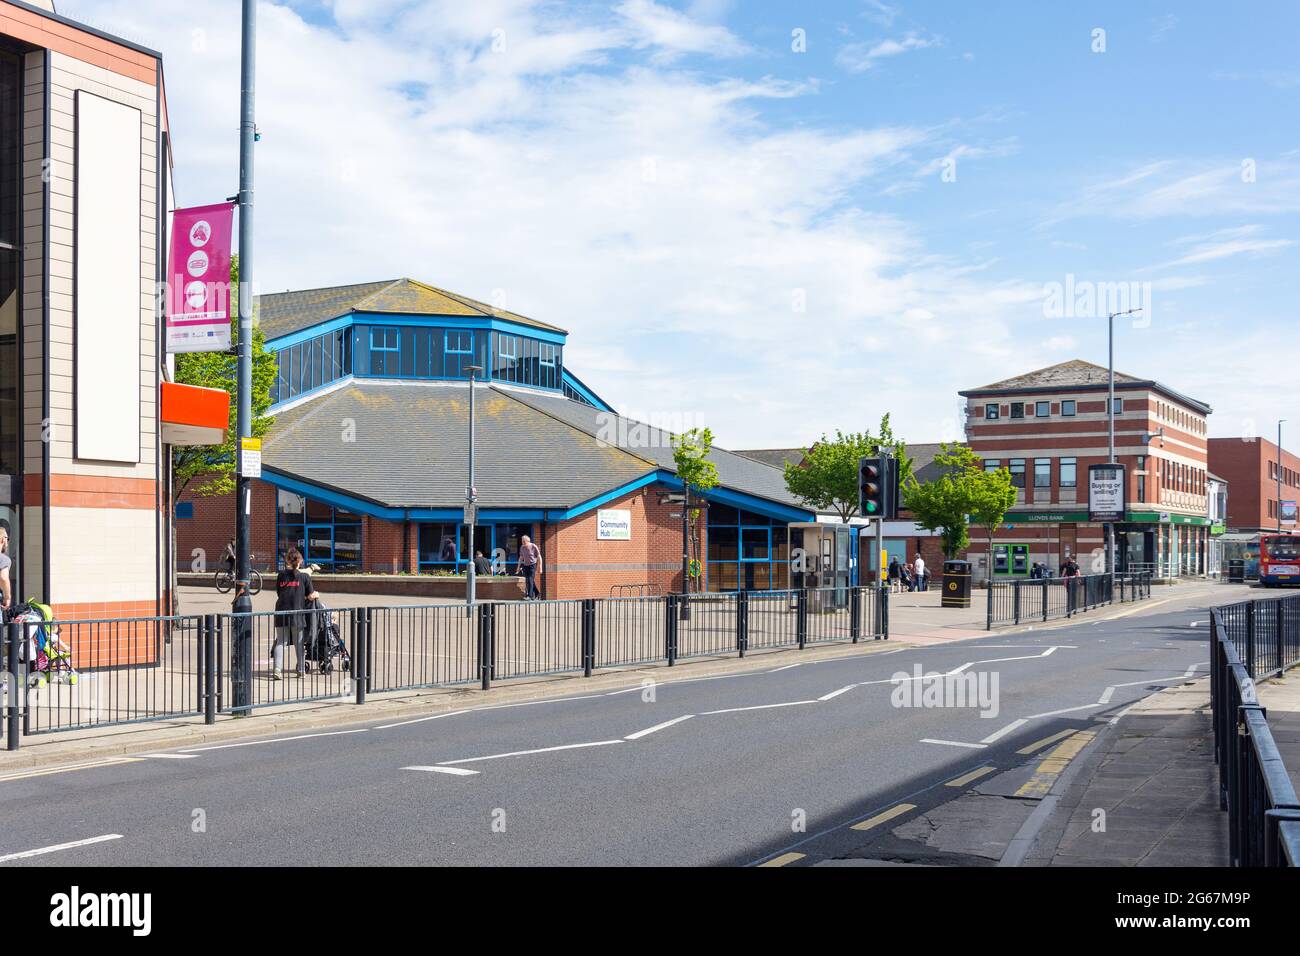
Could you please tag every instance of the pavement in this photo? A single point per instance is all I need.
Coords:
(839, 755)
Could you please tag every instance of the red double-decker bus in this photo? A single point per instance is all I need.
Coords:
(1279, 559)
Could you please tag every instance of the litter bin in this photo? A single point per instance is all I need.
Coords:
(956, 584)
(1236, 571)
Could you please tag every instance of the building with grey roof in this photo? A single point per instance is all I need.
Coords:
(365, 467)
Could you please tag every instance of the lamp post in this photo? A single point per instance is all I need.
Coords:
(1279, 473)
(471, 497)
(242, 636)
(1110, 432)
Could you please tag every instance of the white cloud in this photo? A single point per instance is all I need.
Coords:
(673, 33)
(859, 57)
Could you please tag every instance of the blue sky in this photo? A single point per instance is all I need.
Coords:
(774, 242)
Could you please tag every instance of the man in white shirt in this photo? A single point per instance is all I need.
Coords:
(918, 573)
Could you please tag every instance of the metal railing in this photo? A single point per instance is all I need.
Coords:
(1248, 641)
(1046, 599)
(121, 671)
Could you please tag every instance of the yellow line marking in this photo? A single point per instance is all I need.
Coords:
(24, 774)
(1040, 744)
(968, 777)
(880, 818)
(783, 859)
(1054, 763)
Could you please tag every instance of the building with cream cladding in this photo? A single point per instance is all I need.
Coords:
(1047, 426)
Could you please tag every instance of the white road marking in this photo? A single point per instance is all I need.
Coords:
(525, 753)
(454, 771)
(657, 727)
(836, 693)
(777, 670)
(59, 846)
(952, 743)
(1106, 695)
(736, 710)
(66, 768)
(1064, 710)
(170, 756)
(420, 720)
(275, 740)
(1191, 671)
(999, 734)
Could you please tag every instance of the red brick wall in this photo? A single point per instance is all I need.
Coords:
(1245, 466)
(382, 546)
(213, 525)
(579, 565)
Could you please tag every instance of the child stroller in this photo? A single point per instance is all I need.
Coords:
(325, 643)
(46, 656)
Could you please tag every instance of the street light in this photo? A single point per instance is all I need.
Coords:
(1279, 473)
(471, 497)
(1110, 433)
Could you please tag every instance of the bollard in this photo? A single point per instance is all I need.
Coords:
(801, 617)
(742, 622)
(588, 635)
(210, 669)
(670, 629)
(855, 612)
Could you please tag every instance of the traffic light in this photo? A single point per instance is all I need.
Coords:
(871, 487)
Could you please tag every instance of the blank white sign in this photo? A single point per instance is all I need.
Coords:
(107, 359)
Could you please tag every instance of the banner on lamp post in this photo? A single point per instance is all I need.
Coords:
(198, 279)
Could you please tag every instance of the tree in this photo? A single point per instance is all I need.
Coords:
(827, 478)
(213, 466)
(691, 459)
(965, 492)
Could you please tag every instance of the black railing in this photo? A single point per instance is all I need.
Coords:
(116, 671)
(1248, 641)
(1046, 599)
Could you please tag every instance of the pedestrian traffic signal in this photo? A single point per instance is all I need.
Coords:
(871, 487)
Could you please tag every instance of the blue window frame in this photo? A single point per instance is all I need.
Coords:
(506, 366)
(311, 364)
(458, 352)
(385, 355)
(746, 551)
(325, 535)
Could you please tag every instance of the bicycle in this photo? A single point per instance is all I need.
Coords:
(224, 579)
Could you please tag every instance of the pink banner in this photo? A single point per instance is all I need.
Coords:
(198, 274)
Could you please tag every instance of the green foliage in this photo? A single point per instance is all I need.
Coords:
(213, 466)
(827, 480)
(691, 458)
(965, 492)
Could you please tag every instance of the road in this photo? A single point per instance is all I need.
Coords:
(777, 765)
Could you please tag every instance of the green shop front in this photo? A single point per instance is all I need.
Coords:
(1167, 543)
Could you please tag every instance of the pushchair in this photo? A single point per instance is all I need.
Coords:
(325, 643)
(41, 649)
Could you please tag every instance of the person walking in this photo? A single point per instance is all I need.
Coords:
(293, 592)
(918, 573)
(530, 563)
(895, 575)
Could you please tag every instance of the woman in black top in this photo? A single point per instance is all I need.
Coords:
(293, 592)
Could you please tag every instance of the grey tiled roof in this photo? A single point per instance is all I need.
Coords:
(281, 313)
(411, 443)
(532, 450)
(776, 457)
(1064, 375)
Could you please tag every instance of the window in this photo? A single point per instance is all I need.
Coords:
(1068, 408)
(1042, 472)
(384, 356)
(992, 464)
(1069, 472)
(549, 366)
(505, 367)
(311, 364)
(745, 551)
(1017, 409)
(991, 412)
(1017, 470)
(1119, 406)
(1042, 409)
(459, 352)
(325, 535)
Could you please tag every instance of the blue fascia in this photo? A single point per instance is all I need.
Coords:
(430, 320)
(572, 381)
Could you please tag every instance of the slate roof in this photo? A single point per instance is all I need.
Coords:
(282, 313)
(532, 451)
(1077, 374)
(776, 457)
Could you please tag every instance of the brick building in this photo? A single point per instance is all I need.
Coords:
(365, 467)
(1251, 468)
(85, 170)
(1049, 425)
